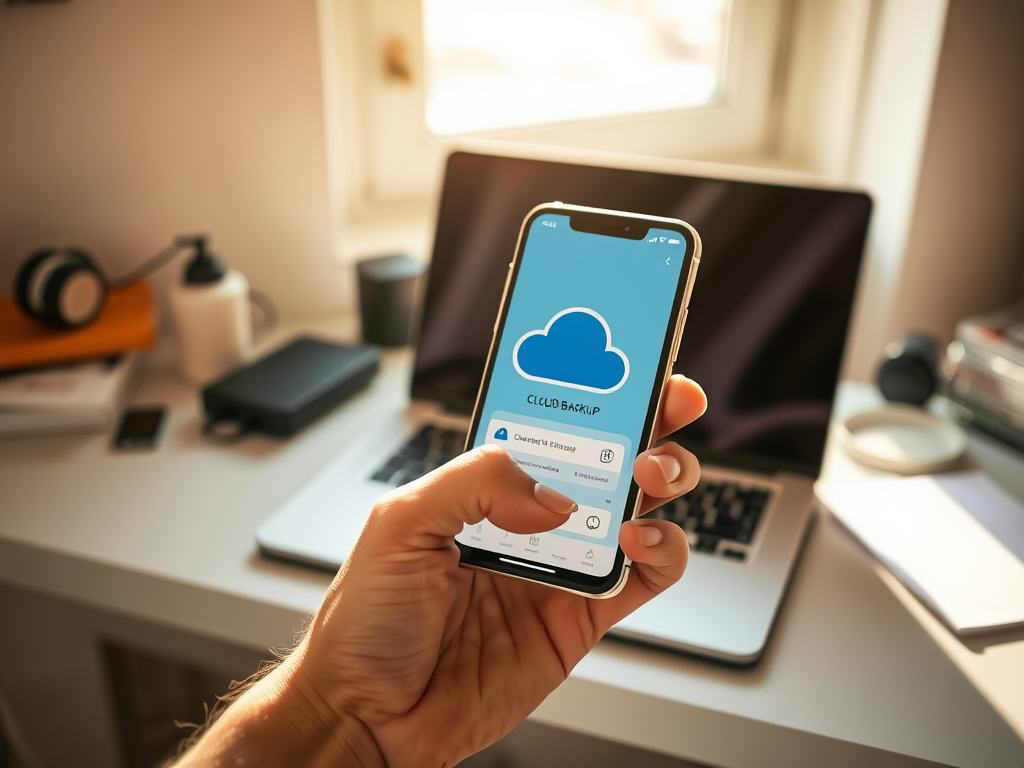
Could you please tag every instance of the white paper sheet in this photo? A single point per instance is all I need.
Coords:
(75, 397)
(939, 549)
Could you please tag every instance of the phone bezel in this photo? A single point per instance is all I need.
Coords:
(596, 220)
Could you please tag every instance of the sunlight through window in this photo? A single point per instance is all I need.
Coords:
(495, 64)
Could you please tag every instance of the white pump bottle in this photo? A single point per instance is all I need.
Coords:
(211, 316)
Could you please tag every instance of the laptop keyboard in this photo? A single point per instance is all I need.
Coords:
(427, 450)
(719, 518)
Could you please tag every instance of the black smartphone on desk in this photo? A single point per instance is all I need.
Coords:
(590, 321)
(140, 427)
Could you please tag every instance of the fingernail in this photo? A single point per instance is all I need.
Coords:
(554, 501)
(668, 465)
(650, 535)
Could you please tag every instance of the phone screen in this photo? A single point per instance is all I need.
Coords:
(572, 381)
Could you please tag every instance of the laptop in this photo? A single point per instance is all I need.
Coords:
(765, 335)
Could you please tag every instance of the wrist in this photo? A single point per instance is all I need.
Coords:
(277, 722)
(334, 735)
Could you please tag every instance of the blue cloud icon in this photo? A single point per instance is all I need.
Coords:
(501, 434)
(574, 350)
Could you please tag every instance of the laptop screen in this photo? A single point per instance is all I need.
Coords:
(768, 317)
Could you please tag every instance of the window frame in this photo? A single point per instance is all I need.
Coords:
(385, 162)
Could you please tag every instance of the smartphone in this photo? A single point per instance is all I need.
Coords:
(140, 428)
(590, 322)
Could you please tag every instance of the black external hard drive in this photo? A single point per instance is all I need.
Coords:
(291, 387)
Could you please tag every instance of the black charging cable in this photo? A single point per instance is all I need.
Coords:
(268, 309)
(151, 265)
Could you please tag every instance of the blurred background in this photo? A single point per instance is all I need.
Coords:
(309, 134)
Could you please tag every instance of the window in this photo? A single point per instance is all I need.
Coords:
(668, 78)
(505, 63)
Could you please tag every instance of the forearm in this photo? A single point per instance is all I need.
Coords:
(275, 724)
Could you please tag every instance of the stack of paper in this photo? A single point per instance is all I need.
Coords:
(74, 397)
(956, 541)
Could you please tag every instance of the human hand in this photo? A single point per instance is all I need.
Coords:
(412, 660)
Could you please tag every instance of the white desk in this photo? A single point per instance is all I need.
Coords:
(856, 672)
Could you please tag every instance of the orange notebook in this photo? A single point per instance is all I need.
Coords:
(126, 323)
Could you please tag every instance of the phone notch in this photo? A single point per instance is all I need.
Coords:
(610, 226)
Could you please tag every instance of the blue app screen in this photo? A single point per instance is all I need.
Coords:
(572, 381)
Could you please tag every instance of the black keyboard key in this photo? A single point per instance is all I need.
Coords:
(422, 436)
(416, 451)
(729, 491)
(708, 520)
(385, 473)
(757, 499)
(415, 468)
(718, 512)
(707, 543)
(425, 451)
(747, 526)
(726, 528)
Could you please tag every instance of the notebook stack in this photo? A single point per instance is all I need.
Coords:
(54, 380)
(72, 397)
(985, 365)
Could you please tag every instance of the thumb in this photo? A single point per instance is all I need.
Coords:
(483, 483)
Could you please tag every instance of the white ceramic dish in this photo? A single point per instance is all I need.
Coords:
(903, 439)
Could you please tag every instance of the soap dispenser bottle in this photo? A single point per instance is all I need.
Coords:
(211, 316)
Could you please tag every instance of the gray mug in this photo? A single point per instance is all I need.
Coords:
(389, 294)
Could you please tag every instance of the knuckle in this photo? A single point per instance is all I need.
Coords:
(382, 507)
(393, 503)
(382, 504)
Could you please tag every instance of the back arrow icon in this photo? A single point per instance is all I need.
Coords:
(667, 262)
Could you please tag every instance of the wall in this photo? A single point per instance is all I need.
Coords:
(125, 122)
(965, 251)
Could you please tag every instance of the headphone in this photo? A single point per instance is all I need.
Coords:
(61, 287)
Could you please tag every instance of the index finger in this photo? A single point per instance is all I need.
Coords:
(684, 402)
